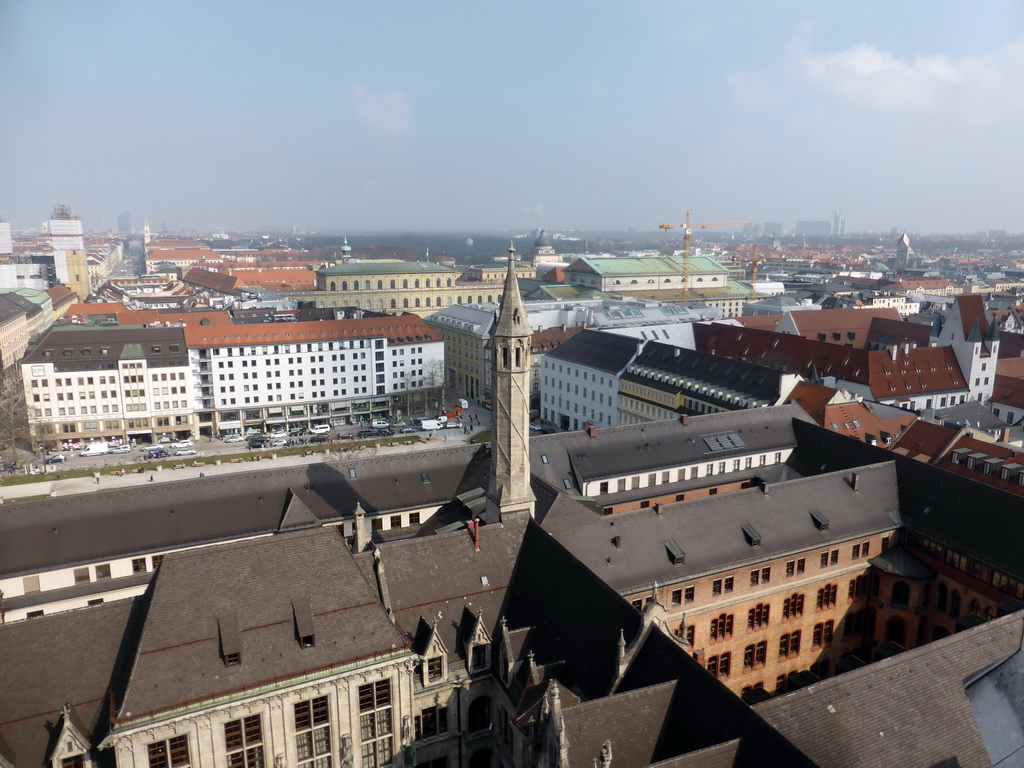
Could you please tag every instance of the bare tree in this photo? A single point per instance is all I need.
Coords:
(13, 414)
(435, 382)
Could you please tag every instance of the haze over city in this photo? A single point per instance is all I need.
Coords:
(457, 116)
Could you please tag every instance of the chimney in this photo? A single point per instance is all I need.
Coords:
(639, 347)
(855, 481)
(1006, 435)
(764, 488)
(906, 347)
(892, 351)
(591, 429)
(475, 528)
(683, 420)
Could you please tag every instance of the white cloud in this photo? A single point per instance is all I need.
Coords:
(386, 112)
(979, 88)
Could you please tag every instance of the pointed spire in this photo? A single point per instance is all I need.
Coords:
(622, 646)
(512, 313)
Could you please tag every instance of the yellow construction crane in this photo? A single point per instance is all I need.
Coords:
(687, 229)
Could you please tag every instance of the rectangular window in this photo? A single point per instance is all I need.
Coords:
(834, 557)
(30, 584)
(716, 587)
(755, 577)
(677, 597)
(728, 584)
(313, 733)
(430, 722)
(688, 594)
(375, 724)
(103, 571)
(139, 565)
(243, 740)
(82, 576)
(172, 753)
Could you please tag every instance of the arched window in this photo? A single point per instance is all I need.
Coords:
(334, 285)
(700, 279)
(380, 285)
(428, 301)
(480, 714)
(490, 298)
(449, 282)
(900, 594)
(479, 299)
(417, 302)
(954, 604)
(405, 303)
(519, 356)
(334, 303)
(344, 285)
(460, 299)
(505, 357)
(943, 596)
(896, 631)
(416, 284)
(380, 303)
(632, 282)
(392, 285)
(394, 304)
(974, 607)
(367, 285)
(650, 279)
(449, 301)
(405, 283)
(437, 284)
(439, 301)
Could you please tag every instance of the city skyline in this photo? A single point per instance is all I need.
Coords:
(449, 118)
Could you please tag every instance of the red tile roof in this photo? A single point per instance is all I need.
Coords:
(992, 450)
(857, 421)
(214, 281)
(1009, 390)
(404, 329)
(925, 441)
(972, 310)
(812, 398)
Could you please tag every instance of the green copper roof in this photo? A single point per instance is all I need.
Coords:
(385, 268)
(30, 294)
(644, 265)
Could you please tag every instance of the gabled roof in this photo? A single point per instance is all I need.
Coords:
(812, 398)
(257, 582)
(925, 441)
(858, 421)
(600, 350)
(919, 711)
(403, 329)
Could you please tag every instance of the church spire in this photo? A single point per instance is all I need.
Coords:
(509, 485)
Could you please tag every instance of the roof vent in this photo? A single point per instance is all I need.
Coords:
(751, 534)
(820, 521)
(230, 640)
(303, 622)
(675, 552)
(617, 541)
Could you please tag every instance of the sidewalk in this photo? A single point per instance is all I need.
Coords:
(76, 485)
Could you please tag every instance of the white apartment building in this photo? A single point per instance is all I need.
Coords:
(125, 383)
(580, 379)
(254, 377)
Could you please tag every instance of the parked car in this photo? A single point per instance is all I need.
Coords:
(183, 444)
(319, 439)
(121, 449)
(158, 453)
(59, 458)
(536, 426)
(235, 439)
(278, 433)
(320, 429)
(186, 452)
(297, 432)
(259, 442)
(344, 436)
(279, 443)
(380, 424)
(407, 430)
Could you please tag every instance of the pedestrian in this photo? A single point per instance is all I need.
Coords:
(151, 478)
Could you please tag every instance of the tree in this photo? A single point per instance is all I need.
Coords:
(435, 383)
(13, 414)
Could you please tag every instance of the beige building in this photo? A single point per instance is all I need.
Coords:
(13, 333)
(127, 383)
(419, 287)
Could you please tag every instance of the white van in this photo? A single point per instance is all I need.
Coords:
(463, 404)
(380, 424)
(320, 429)
(99, 448)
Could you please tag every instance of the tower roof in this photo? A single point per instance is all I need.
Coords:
(512, 320)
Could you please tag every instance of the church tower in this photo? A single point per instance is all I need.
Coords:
(509, 486)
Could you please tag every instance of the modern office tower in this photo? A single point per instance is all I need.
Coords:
(6, 244)
(124, 222)
(839, 224)
(69, 261)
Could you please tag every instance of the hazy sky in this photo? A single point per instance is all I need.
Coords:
(468, 115)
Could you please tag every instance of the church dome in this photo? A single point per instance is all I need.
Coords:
(543, 241)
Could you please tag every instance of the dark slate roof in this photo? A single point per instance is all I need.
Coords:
(910, 709)
(609, 352)
(703, 712)
(443, 577)
(631, 722)
(36, 535)
(78, 347)
(900, 561)
(249, 593)
(576, 617)
(628, 550)
(68, 657)
(973, 518)
(729, 382)
(648, 447)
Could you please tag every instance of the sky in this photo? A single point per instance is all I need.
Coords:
(461, 115)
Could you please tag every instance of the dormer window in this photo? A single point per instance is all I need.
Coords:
(435, 670)
(479, 658)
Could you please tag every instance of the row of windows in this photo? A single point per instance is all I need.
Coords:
(392, 284)
(684, 473)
